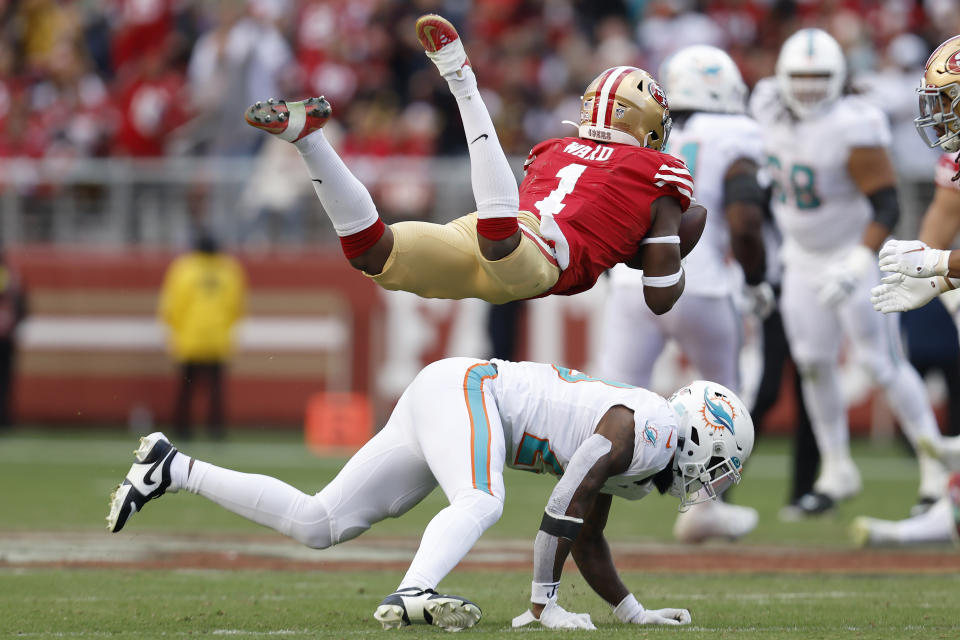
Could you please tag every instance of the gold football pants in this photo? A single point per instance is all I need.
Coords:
(444, 261)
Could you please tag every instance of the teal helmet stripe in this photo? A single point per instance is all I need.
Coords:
(718, 411)
(810, 42)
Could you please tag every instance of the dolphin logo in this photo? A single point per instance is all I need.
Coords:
(718, 412)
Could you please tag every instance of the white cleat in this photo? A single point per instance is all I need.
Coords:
(418, 606)
(873, 532)
(714, 519)
(148, 478)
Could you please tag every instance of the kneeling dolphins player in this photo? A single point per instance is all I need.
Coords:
(457, 425)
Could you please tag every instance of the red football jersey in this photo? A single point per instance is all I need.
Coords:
(593, 200)
(946, 169)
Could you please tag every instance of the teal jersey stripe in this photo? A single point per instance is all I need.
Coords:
(479, 423)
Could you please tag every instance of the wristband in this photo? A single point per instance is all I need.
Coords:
(661, 240)
(543, 592)
(662, 282)
(629, 610)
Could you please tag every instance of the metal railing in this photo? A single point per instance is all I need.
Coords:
(247, 201)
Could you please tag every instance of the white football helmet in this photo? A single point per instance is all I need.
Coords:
(811, 71)
(703, 78)
(713, 443)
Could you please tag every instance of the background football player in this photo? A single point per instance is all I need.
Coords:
(586, 202)
(721, 147)
(835, 201)
(457, 425)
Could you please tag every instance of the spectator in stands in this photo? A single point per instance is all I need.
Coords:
(13, 308)
(201, 301)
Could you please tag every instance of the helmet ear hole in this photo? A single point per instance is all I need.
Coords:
(695, 436)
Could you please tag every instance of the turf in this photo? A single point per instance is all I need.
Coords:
(63, 479)
(59, 481)
(254, 604)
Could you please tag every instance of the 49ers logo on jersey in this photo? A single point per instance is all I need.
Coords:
(953, 62)
(657, 94)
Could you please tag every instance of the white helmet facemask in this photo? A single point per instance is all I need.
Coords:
(810, 71)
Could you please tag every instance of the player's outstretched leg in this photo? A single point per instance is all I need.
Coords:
(148, 478)
(425, 606)
(365, 240)
(494, 185)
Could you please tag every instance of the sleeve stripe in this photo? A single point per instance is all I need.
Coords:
(680, 171)
(682, 190)
(670, 178)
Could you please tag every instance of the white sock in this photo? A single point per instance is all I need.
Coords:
(494, 185)
(449, 536)
(344, 198)
(828, 417)
(263, 500)
(907, 397)
(179, 468)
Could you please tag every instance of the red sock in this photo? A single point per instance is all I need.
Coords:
(356, 244)
(497, 228)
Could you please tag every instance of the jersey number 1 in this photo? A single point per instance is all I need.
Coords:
(553, 203)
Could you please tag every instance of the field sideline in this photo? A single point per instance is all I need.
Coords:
(185, 567)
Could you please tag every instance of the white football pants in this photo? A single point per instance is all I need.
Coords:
(444, 430)
(816, 333)
(706, 328)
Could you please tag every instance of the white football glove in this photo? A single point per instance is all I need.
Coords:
(554, 616)
(760, 299)
(842, 278)
(913, 258)
(897, 292)
(629, 610)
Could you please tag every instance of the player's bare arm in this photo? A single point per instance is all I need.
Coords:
(744, 202)
(662, 274)
(941, 224)
(607, 453)
(872, 171)
(592, 554)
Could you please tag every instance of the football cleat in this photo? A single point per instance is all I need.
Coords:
(148, 478)
(442, 43)
(873, 532)
(289, 121)
(714, 519)
(809, 504)
(417, 606)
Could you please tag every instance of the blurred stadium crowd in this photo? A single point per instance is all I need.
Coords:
(142, 78)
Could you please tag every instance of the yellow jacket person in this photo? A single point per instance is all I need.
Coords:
(202, 298)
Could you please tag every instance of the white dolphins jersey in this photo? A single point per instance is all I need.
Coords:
(708, 143)
(819, 209)
(548, 411)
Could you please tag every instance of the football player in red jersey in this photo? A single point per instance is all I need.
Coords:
(586, 203)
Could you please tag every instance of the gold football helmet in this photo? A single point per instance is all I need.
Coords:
(939, 121)
(625, 105)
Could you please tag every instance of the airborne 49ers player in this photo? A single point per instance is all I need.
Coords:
(586, 203)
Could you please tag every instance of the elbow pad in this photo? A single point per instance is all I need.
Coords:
(886, 207)
(744, 188)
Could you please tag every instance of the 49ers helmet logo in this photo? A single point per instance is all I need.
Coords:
(660, 96)
(953, 62)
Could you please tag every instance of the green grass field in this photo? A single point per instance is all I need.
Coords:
(58, 483)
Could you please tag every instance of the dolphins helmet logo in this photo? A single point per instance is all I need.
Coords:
(717, 412)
